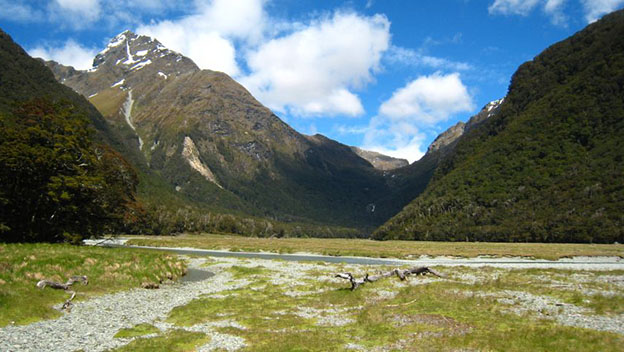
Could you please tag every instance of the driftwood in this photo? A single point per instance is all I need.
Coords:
(402, 274)
(64, 286)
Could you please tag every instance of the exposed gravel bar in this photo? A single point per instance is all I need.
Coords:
(91, 325)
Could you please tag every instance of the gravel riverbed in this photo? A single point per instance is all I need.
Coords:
(91, 325)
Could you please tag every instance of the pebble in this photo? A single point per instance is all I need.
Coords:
(92, 324)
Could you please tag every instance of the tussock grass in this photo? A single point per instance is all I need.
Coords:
(561, 285)
(439, 315)
(172, 341)
(137, 330)
(382, 249)
(108, 270)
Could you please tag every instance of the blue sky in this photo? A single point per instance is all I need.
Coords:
(383, 75)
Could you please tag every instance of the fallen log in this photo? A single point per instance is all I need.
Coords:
(64, 286)
(402, 274)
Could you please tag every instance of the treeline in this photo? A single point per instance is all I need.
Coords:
(166, 220)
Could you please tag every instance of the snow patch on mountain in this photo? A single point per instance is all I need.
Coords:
(127, 111)
(123, 80)
(130, 60)
(140, 65)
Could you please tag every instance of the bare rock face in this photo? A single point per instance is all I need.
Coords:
(380, 161)
(489, 110)
(447, 138)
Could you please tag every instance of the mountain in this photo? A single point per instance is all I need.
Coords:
(202, 134)
(59, 178)
(547, 166)
(380, 161)
(446, 140)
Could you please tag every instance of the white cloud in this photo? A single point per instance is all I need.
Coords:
(421, 104)
(429, 99)
(19, 12)
(208, 49)
(75, 13)
(208, 35)
(85, 7)
(512, 7)
(70, 54)
(403, 56)
(399, 139)
(81, 14)
(594, 9)
(553, 8)
(314, 70)
(243, 19)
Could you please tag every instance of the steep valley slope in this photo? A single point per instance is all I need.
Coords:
(548, 166)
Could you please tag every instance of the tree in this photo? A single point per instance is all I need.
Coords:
(56, 181)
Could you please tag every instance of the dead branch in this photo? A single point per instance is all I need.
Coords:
(402, 274)
(64, 286)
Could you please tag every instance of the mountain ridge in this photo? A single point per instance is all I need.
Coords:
(170, 111)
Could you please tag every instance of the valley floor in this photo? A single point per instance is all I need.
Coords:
(381, 249)
(270, 305)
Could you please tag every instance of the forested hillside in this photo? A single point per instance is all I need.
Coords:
(59, 179)
(548, 166)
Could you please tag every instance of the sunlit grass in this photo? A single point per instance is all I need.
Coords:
(172, 341)
(437, 315)
(381, 249)
(137, 330)
(108, 270)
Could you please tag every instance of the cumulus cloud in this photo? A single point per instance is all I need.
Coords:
(70, 54)
(398, 128)
(429, 99)
(208, 35)
(209, 49)
(315, 69)
(594, 9)
(397, 138)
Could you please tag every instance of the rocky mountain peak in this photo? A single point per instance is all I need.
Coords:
(489, 110)
(133, 52)
(452, 134)
(380, 161)
(447, 137)
(129, 60)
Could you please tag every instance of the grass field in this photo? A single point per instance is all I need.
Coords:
(383, 249)
(301, 307)
(296, 306)
(108, 270)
